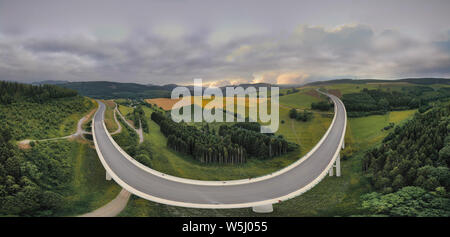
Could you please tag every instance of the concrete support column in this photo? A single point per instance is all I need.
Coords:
(343, 145)
(338, 165)
(263, 209)
(108, 177)
(330, 172)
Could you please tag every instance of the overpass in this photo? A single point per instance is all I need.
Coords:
(259, 193)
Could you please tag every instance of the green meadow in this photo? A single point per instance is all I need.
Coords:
(88, 188)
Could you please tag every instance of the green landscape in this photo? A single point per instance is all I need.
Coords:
(395, 161)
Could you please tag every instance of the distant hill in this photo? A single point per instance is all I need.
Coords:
(421, 81)
(49, 82)
(427, 81)
(114, 90)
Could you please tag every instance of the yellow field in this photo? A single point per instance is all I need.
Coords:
(168, 104)
(164, 103)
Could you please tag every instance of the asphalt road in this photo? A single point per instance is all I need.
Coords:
(167, 191)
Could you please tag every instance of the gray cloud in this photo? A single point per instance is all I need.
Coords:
(161, 43)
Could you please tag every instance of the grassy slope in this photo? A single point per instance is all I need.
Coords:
(299, 100)
(88, 190)
(375, 132)
(110, 123)
(31, 120)
(69, 126)
(125, 110)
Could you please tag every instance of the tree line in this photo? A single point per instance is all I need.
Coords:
(259, 145)
(230, 145)
(304, 116)
(322, 105)
(292, 91)
(377, 101)
(138, 118)
(14, 92)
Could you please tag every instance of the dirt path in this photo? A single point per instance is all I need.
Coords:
(112, 208)
(26, 143)
(138, 131)
(119, 129)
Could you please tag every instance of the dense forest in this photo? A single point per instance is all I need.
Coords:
(370, 102)
(322, 105)
(32, 180)
(11, 92)
(417, 155)
(230, 145)
(39, 111)
(128, 139)
(300, 116)
(408, 201)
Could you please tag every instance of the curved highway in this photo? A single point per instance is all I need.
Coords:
(282, 185)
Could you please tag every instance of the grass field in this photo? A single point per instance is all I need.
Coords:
(360, 136)
(88, 189)
(124, 110)
(110, 123)
(300, 100)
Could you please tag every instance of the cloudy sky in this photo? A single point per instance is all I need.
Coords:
(223, 42)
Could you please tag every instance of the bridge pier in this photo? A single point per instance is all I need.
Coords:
(343, 145)
(263, 209)
(108, 177)
(337, 165)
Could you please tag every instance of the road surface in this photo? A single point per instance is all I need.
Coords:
(285, 184)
